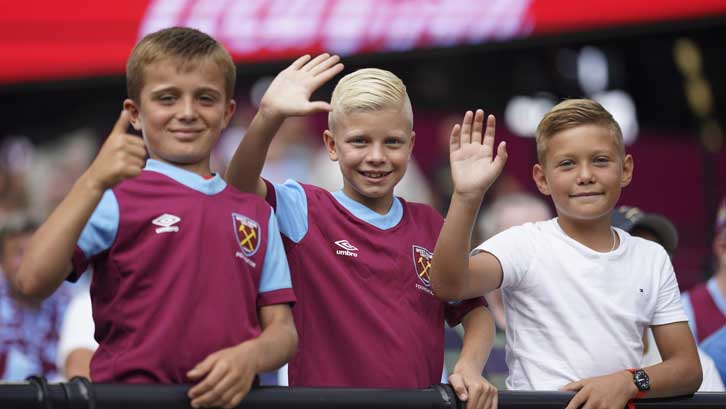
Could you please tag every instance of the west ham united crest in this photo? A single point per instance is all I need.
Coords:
(422, 264)
(247, 232)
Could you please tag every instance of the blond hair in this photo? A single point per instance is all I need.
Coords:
(572, 113)
(186, 46)
(369, 90)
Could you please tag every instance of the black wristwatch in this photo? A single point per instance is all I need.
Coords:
(641, 380)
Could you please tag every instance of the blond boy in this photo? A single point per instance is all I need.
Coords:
(360, 256)
(577, 293)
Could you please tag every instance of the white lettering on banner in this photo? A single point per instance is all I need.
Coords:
(250, 28)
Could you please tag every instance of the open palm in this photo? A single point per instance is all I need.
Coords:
(473, 165)
(290, 91)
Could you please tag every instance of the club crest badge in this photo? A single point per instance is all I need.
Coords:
(422, 264)
(247, 232)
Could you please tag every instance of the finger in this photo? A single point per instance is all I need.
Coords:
(495, 400)
(135, 150)
(328, 62)
(320, 106)
(297, 64)
(225, 389)
(315, 61)
(577, 400)
(490, 131)
(457, 383)
(202, 368)
(474, 390)
(236, 399)
(572, 386)
(476, 136)
(205, 389)
(327, 75)
(122, 123)
(466, 128)
(455, 139)
(235, 395)
(502, 156)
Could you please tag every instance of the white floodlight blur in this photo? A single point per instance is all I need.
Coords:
(592, 70)
(621, 105)
(523, 113)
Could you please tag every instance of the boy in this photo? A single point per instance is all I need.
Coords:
(577, 297)
(179, 293)
(360, 257)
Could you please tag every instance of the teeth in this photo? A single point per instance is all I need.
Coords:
(374, 175)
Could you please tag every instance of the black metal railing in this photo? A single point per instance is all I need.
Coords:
(79, 393)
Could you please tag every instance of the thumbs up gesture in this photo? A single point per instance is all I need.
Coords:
(121, 157)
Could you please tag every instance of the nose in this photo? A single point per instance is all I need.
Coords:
(187, 110)
(585, 176)
(376, 154)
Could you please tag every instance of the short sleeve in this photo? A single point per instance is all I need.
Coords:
(77, 329)
(291, 205)
(514, 248)
(275, 284)
(98, 234)
(456, 310)
(668, 305)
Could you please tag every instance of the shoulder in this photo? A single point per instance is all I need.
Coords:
(643, 248)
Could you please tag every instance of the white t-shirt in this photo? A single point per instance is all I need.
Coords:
(573, 312)
(77, 329)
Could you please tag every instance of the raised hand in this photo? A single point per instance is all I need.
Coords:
(121, 157)
(473, 165)
(290, 91)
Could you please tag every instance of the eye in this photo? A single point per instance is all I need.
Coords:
(166, 99)
(207, 99)
(567, 163)
(357, 140)
(602, 160)
(394, 141)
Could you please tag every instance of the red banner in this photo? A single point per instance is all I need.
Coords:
(80, 38)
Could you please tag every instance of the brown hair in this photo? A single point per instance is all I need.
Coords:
(186, 46)
(572, 113)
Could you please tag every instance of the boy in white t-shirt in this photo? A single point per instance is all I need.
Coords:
(577, 293)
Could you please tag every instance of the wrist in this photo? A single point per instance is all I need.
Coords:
(91, 184)
(639, 382)
(468, 199)
(269, 114)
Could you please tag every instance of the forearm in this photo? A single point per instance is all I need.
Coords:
(246, 165)
(674, 377)
(47, 261)
(450, 264)
(274, 346)
(478, 340)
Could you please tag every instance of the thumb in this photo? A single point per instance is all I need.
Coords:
(123, 122)
(459, 384)
(320, 106)
(501, 158)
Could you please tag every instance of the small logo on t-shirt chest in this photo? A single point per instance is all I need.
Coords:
(247, 233)
(166, 223)
(348, 249)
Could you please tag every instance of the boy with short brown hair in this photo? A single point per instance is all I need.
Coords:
(179, 293)
(577, 297)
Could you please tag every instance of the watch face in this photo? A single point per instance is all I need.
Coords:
(641, 380)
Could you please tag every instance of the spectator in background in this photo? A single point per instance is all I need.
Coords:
(28, 329)
(659, 229)
(705, 304)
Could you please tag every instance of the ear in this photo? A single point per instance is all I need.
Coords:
(540, 179)
(627, 171)
(133, 110)
(229, 112)
(413, 140)
(329, 141)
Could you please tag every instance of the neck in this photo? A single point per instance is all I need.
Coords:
(380, 205)
(598, 235)
(200, 168)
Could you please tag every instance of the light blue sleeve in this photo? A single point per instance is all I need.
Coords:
(688, 309)
(100, 231)
(292, 210)
(275, 270)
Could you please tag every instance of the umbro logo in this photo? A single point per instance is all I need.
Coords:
(348, 249)
(166, 223)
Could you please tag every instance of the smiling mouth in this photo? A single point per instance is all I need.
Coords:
(374, 175)
(586, 194)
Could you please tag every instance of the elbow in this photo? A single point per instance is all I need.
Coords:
(696, 375)
(293, 338)
(445, 290)
(26, 287)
